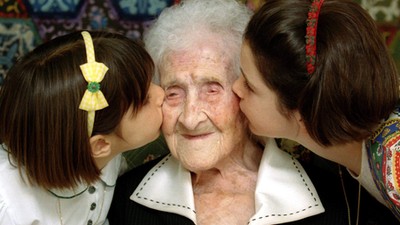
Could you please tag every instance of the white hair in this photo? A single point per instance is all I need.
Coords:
(180, 26)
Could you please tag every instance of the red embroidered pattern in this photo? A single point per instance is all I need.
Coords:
(311, 35)
(383, 150)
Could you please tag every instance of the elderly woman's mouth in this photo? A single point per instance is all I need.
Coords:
(196, 136)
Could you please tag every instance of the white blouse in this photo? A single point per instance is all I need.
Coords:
(365, 176)
(24, 204)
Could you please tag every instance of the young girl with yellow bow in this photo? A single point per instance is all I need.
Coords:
(68, 109)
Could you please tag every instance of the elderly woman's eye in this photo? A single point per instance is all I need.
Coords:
(171, 95)
(213, 88)
(174, 95)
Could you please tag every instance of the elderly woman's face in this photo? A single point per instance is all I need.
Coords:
(202, 120)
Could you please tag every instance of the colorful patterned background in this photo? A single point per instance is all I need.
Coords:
(387, 14)
(26, 23)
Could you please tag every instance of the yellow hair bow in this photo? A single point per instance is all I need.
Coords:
(93, 72)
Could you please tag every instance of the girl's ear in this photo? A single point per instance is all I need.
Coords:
(299, 120)
(101, 146)
(298, 117)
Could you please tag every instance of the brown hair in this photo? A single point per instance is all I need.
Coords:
(355, 84)
(42, 126)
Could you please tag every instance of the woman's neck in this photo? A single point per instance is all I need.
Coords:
(242, 163)
(348, 155)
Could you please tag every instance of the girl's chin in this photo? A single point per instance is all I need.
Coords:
(255, 131)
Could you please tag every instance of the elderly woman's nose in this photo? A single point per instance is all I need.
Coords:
(193, 113)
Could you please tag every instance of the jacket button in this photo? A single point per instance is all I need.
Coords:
(92, 189)
(92, 206)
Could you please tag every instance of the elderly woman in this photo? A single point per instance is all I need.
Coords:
(216, 172)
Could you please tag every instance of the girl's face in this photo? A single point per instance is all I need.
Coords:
(259, 103)
(144, 127)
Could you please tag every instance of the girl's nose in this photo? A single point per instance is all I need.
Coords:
(236, 87)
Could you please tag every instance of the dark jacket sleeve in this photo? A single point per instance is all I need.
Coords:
(331, 188)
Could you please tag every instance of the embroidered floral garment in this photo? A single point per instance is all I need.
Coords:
(384, 159)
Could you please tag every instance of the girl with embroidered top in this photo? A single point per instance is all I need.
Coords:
(68, 109)
(318, 72)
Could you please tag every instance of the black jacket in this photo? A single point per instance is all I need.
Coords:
(323, 174)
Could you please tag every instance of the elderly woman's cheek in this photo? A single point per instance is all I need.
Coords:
(170, 115)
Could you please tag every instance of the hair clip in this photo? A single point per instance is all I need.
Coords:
(311, 35)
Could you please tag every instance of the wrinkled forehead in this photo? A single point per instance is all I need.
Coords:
(200, 63)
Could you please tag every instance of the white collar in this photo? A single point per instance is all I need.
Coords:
(283, 193)
(108, 177)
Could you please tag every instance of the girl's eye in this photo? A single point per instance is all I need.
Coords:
(246, 85)
(146, 100)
